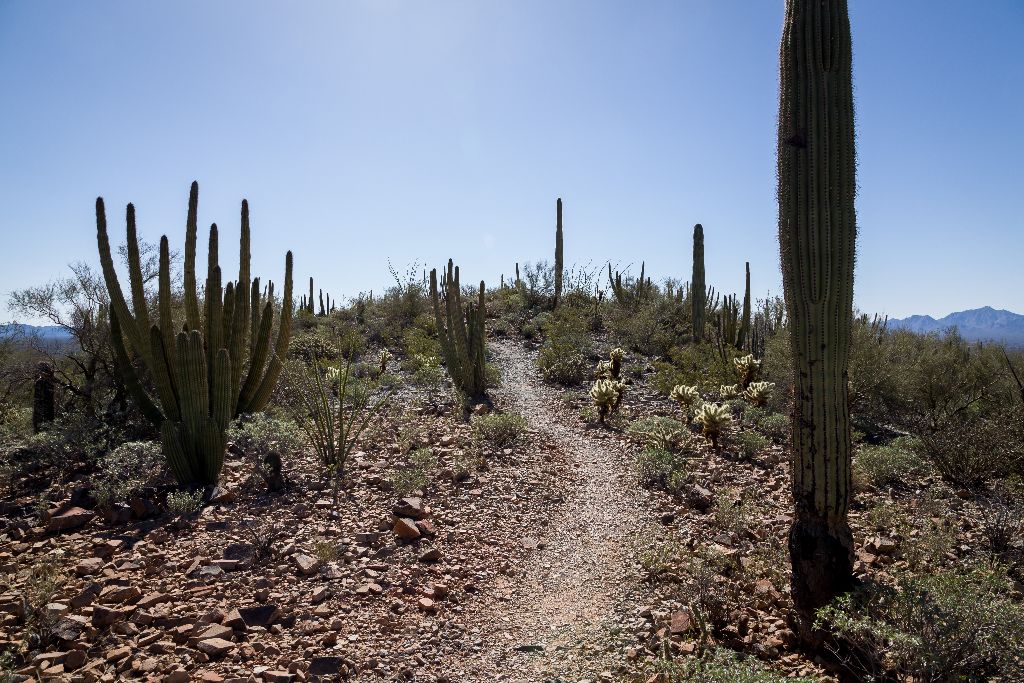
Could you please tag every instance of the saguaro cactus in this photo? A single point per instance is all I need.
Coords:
(461, 337)
(741, 339)
(198, 371)
(698, 293)
(559, 264)
(816, 165)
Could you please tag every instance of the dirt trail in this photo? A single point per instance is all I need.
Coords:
(564, 614)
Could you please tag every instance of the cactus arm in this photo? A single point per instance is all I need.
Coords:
(240, 314)
(258, 357)
(163, 375)
(254, 316)
(164, 301)
(118, 305)
(128, 377)
(135, 272)
(269, 380)
(221, 405)
(176, 454)
(192, 317)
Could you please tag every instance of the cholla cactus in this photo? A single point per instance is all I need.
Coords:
(331, 376)
(729, 391)
(385, 356)
(620, 391)
(712, 419)
(686, 397)
(758, 393)
(616, 355)
(603, 370)
(607, 395)
(747, 368)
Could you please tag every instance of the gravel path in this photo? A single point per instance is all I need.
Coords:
(565, 613)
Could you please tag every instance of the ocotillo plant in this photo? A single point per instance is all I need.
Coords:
(817, 233)
(559, 264)
(461, 335)
(197, 371)
(698, 292)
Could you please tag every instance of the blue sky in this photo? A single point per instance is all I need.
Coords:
(415, 131)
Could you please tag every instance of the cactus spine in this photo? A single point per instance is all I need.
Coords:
(461, 336)
(698, 293)
(198, 371)
(816, 167)
(558, 252)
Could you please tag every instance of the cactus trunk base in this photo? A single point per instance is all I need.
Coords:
(821, 552)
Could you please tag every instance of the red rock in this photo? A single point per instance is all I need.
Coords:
(215, 647)
(73, 518)
(680, 622)
(406, 529)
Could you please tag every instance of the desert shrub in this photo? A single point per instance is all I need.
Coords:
(731, 513)
(416, 474)
(720, 665)
(653, 328)
(563, 355)
(886, 466)
(660, 433)
(773, 425)
(977, 449)
(184, 502)
(44, 581)
(749, 443)
(1002, 520)
(418, 342)
(662, 469)
(694, 364)
(127, 470)
(267, 442)
(951, 626)
(499, 430)
(313, 346)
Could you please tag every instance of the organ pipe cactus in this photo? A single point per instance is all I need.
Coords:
(219, 364)
(559, 263)
(461, 335)
(713, 420)
(697, 285)
(747, 368)
(817, 236)
(758, 393)
(629, 296)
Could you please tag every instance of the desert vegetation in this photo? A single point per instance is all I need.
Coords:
(580, 473)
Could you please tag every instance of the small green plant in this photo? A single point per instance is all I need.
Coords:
(659, 468)
(416, 475)
(184, 502)
(720, 665)
(660, 433)
(499, 430)
(326, 551)
(267, 442)
(731, 512)
(773, 425)
(886, 466)
(713, 420)
(661, 559)
(750, 443)
(127, 470)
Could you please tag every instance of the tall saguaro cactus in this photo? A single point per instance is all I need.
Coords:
(559, 263)
(461, 338)
(698, 293)
(741, 340)
(816, 164)
(198, 368)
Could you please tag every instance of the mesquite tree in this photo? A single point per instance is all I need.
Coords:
(816, 237)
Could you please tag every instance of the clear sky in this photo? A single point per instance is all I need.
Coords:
(367, 130)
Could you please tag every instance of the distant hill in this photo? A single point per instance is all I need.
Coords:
(979, 324)
(45, 332)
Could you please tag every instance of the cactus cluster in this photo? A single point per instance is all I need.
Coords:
(758, 393)
(713, 420)
(747, 368)
(461, 335)
(626, 295)
(218, 364)
(607, 395)
(727, 392)
(817, 239)
(686, 397)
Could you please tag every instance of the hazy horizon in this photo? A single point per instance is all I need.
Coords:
(377, 131)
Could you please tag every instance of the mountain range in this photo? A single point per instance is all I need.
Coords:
(978, 324)
(45, 332)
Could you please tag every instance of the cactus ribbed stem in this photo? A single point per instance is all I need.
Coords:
(817, 234)
(559, 265)
(698, 293)
(461, 336)
(744, 333)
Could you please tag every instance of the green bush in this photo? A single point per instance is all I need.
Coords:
(313, 345)
(499, 430)
(567, 343)
(773, 425)
(944, 627)
(184, 502)
(662, 469)
(750, 443)
(886, 466)
(127, 470)
(694, 364)
(660, 433)
(721, 666)
(416, 474)
(977, 450)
